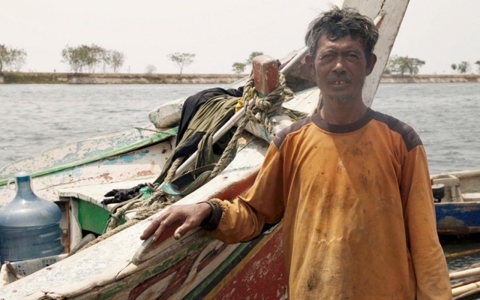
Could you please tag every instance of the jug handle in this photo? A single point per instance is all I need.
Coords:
(9, 182)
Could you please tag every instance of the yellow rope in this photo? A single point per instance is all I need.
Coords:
(246, 97)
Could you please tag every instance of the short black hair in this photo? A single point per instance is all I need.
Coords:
(338, 23)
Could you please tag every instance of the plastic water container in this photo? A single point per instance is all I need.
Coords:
(29, 225)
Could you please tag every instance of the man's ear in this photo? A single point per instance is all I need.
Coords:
(371, 61)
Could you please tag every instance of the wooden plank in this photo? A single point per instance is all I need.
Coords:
(139, 164)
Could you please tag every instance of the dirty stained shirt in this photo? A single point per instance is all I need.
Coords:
(357, 209)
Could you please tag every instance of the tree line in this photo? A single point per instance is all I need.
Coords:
(464, 67)
(89, 58)
(409, 65)
(86, 58)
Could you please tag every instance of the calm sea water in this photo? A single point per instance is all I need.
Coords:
(34, 118)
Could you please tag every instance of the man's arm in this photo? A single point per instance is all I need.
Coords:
(429, 262)
(236, 221)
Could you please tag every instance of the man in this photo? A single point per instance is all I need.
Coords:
(351, 185)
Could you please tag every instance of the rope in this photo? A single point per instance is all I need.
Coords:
(144, 212)
(267, 106)
(264, 107)
(146, 208)
(173, 169)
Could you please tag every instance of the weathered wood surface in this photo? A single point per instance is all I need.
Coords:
(388, 16)
(133, 164)
(106, 269)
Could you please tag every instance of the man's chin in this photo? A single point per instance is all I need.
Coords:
(341, 98)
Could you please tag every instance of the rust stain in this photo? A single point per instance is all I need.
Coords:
(450, 221)
(144, 173)
(106, 176)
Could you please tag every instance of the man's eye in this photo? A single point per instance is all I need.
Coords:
(326, 56)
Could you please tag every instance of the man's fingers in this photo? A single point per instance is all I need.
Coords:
(182, 230)
(152, 227)
(163, 226)
(185, 217)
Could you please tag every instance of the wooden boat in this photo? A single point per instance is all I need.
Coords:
(77, 175)
(457, 208)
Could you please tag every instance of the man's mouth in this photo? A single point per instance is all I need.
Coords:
(339, 80)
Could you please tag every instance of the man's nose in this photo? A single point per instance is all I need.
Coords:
(339, 65)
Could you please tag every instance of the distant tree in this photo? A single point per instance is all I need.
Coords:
(73, 57)
(252, 56)
(80, 58)
(149, 69)
(105, 60)
(238, 67)
(117, 60)
(182, 60)
(404, 64)
(93, 56)
(454, 67)
(4, 57)
(11, 58)
(90, 57)
(478, 65)
(463, 67)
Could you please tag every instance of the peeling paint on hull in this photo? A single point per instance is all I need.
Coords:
(458, 218)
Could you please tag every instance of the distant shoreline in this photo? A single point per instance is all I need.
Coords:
(120, 78)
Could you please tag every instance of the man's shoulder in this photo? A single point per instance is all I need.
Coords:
(280, 137)
(408, 134)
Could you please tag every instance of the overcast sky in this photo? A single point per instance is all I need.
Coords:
(219, 32)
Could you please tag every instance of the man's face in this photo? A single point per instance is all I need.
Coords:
(340, 68)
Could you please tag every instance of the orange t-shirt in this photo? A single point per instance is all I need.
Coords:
(357, 209)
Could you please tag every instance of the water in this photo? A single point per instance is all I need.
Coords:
(37, 117)
(445, 117)
(34, 118)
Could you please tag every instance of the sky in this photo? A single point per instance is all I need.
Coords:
(219, 32)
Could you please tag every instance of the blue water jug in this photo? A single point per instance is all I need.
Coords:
(29, 225)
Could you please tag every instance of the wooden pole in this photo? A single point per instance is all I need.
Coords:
(465, 289)
(464, 253)
(466, 294)
(469, 267)
(464, 273)
(12, 270)
(465, 282)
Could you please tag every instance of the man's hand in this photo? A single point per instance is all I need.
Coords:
(186, 217)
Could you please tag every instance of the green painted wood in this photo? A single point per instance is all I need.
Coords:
(92, 217)
(194, 294)
(152, 140)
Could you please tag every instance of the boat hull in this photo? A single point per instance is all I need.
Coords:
(458, 211)
(458, 218)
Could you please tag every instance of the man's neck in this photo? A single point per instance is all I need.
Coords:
(342, 114)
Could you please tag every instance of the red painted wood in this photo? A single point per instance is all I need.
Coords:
(265, 74)
(263, 277)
